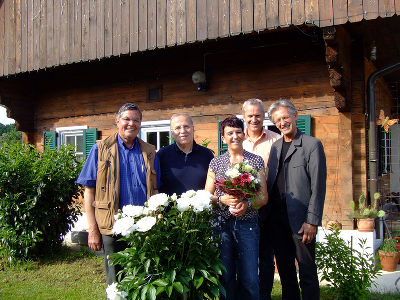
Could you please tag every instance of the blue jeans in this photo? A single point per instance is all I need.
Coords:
(239, 254)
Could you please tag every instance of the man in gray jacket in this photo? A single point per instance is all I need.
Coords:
(296, 187)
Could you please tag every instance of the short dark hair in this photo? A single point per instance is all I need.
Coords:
(231, 121)
(129, 106)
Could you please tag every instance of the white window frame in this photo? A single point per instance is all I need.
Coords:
(63, 132)
(155, 126)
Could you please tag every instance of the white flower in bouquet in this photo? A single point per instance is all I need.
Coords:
(132, 210)
(145, 224)
(232, 173)
(114, 294)
(183, 204)
(188, 194)
(246, 167)
(157, 201)
(124, 226)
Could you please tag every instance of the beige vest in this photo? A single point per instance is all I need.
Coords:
(108, 182)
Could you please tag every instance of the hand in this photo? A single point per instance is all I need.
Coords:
(230, 200)
(240, 209)
(309, 231)
(94, 239)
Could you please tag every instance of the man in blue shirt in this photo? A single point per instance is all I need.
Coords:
(120, 170)
(184, 164)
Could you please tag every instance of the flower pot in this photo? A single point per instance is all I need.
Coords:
(366, 225)
(389, 260)
(333, 225)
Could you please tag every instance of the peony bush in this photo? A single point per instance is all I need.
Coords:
(171, 254)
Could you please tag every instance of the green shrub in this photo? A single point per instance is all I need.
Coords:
(36, 199)
(348, 271)
(389, 245)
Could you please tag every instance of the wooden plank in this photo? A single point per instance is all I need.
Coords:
(311, 11)
(7, 30)
(108, 14)
(235, 26)
(247, 16)
(272, 7)
(77, 48)
(92, 29)
(340, 12)
(201, 17)
(397, 6)
(125, 26)
(116, 27)
(36, 34)
(355, 10)
(298, 12)
(64, 33)
(49, 33)
(2, 39)
(24, 36)
(100, 29)
(142, 25)
(325, 13)
(171, 22)
(212, 19)
(260, 16)
(191, 20)
(285, 12)
(30, 34)
(152, 24)
(85, 29)
(18, 35)
(371, 9)
(161, 23)
(386, 8)
(181, 22)
(71, 30)
(43, 34)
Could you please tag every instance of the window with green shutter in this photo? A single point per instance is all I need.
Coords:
(222, 147)
(89, 138)
(49, 140)
(304, 124)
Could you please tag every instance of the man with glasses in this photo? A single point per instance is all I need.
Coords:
(259, 141)
(184, 163)
(120, 170)
(296, 188)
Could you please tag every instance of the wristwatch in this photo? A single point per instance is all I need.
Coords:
(249, 204)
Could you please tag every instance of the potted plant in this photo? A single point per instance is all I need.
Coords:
(389, 255)
(366, 214)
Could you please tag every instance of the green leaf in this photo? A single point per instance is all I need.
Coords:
(160, 289)
(191, 271)
(152, 292)
(205, 273)
(160, 282)
(213, 279)
(147, 265)
(168, 289)
(171, 275)
(143, 292)
(198, 281)
(178, 286)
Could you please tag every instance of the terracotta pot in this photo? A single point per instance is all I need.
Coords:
(333, 225)
(366, 225)
(389, 260)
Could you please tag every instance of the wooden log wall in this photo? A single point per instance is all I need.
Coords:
(38, 34)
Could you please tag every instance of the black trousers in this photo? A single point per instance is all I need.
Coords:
(289, 247)
(112, 245)
(266, 263)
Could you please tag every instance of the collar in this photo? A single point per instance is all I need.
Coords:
(195, 147)
(121, 143)
(262, 135)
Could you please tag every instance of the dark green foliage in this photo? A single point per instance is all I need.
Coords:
(36, 199)
(8, 134)
(350, 272)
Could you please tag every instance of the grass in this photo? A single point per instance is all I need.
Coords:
(79, 275)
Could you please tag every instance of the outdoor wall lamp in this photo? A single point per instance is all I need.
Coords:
(199, 79)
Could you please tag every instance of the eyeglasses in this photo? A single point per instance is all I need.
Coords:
(184, 127)
(284, 119)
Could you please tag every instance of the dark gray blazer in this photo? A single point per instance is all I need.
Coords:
(305, 176)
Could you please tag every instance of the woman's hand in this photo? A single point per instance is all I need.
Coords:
(240, 209)
(229, 200)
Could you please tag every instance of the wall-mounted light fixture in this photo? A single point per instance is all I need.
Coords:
(199, 79)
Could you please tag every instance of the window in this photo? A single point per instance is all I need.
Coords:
(156, 133)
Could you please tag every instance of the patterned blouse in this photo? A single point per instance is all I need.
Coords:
(219, 165)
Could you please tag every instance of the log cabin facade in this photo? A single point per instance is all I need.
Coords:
(66, 66)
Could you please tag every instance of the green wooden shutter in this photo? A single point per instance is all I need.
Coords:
(222, 147)
(89, 138)
(304, 124)
(49, 140)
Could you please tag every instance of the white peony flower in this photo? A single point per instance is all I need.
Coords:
(232, 173)
(132, 210)
(174, 197)
(124, 226)
(247, 168)
(114, 294)
(201, 201)
(236, 166)
(145, 224)
(157, 201)
(188, 194)
(183, 204)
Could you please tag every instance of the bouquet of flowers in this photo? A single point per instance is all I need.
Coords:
(171, 252)
(241, 180)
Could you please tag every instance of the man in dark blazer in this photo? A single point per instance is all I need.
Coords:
(296, 187)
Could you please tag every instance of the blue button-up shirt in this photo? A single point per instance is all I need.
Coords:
(132, 173)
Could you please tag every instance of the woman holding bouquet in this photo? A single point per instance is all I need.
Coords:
(238, 182)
